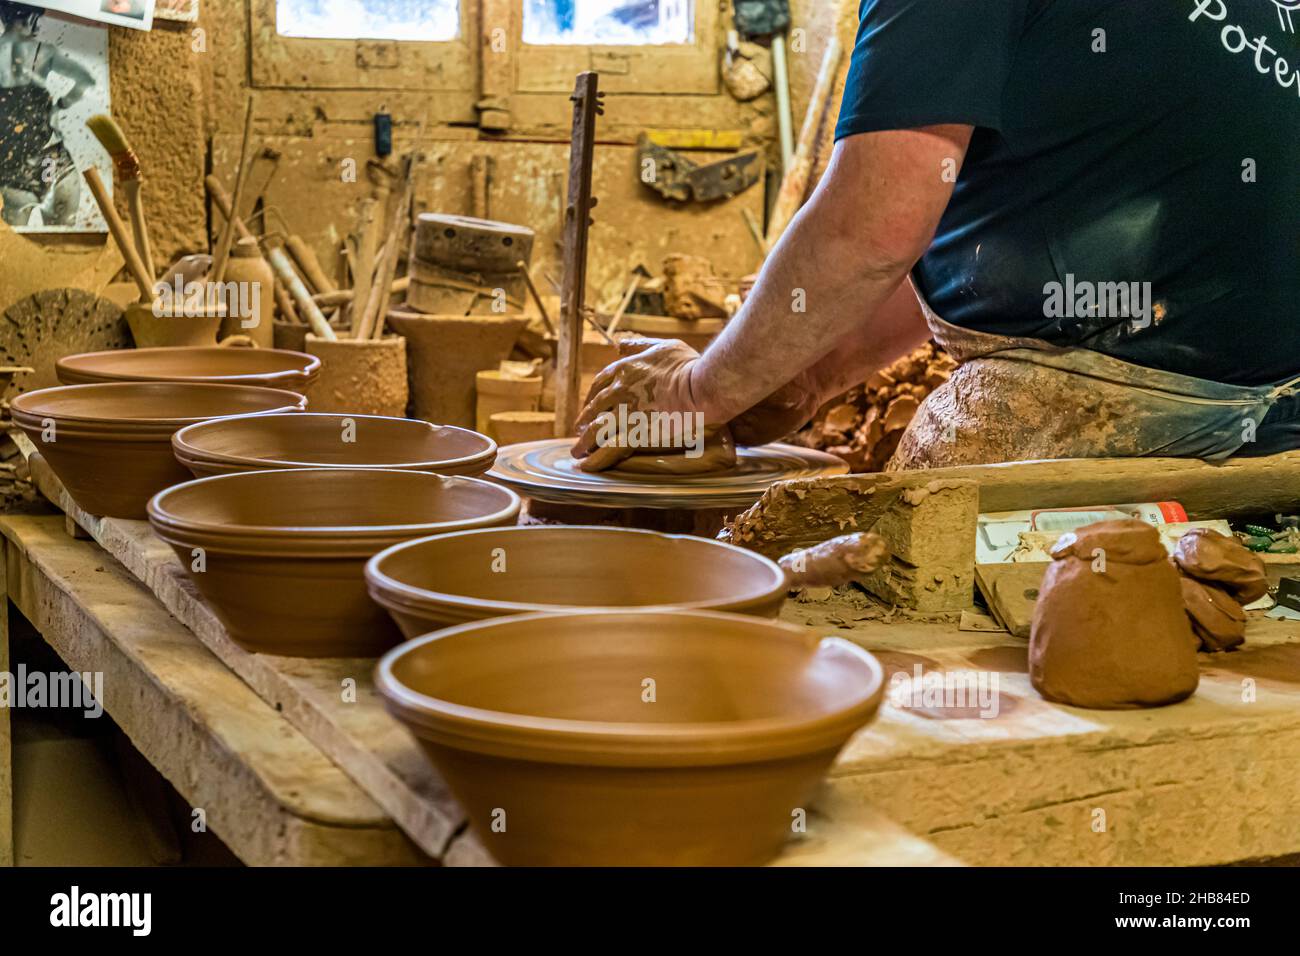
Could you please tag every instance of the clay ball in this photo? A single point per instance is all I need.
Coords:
(1218, 559)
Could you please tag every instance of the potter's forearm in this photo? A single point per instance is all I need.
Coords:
(812, 294)
(836, 270)
(898, 328)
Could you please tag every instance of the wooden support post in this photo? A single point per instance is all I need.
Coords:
(577, 223)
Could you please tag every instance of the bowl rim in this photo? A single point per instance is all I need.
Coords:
(400, 596)
(308, 368)
(187, 452)
(18, 403)
(168, 526)
(609, 743)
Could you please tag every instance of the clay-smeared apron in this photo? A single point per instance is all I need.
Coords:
(1020, 399)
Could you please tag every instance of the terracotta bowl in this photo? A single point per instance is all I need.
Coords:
(255, 443)
(270, 368)
(455, 578)
(111, 443)
(547, 723)
(279, 554)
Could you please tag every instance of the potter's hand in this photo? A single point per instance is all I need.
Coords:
(784, 411)
(652, 376)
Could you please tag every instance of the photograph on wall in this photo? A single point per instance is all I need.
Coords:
(53, 77)
(136, 14)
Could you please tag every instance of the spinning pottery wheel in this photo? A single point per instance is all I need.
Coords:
(546, 471)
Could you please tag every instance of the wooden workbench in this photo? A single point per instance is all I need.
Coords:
(1212, 780)
(264, 788)
(1215, 779)
(327, 707)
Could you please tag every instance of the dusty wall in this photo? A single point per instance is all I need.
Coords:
(159, 100)
(179, 89)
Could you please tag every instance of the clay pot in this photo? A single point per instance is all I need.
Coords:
(171, 331)
(496, 392)
(445, 352)
(261, 442)
(631, 738)
(279, 554)
(512, 428)
(267, 368)
(365, 377)
(247, 269)
(1110, 631)
(110, 443)
(455, 578)
(293, 335)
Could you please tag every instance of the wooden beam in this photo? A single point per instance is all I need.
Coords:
(805, 512)
(496, 59)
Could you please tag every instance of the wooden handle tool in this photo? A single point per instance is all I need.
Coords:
(221, 255)
(134, 265)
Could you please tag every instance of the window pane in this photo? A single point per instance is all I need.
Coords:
(368, 19)
(609, 21)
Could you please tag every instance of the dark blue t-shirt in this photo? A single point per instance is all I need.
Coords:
(1116, 142)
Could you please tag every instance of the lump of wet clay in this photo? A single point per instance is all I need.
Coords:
(1110, 631)
(1219, 576)
(835, 562)
(1208, 555)
(1218, 620)
(719, 454)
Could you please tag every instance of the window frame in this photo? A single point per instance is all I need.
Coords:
(314, 63)
(685, 68)
(459, 66)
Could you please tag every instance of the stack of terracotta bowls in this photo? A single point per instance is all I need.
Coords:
(110, 444)
(585, 690)
(254, 443)
(279, 554)
(631, 738)
(269, 368)
(455, 578)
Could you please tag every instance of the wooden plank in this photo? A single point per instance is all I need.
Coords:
(269, 794)
(1011, 592)
(1212, 780)
(369, 745)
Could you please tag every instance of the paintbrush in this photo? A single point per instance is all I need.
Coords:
(134, 265)
(127, 174)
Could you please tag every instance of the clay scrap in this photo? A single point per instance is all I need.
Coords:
(1110, 631)
(1219, 577)
(835, 562)
(865, 425)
